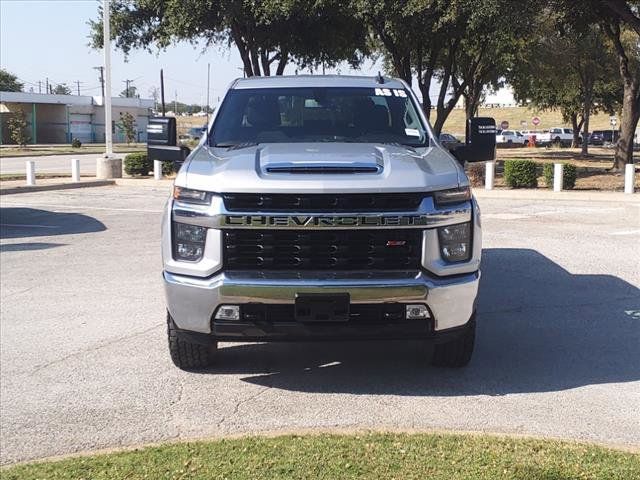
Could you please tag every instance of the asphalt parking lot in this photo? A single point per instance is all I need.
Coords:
(84, 363)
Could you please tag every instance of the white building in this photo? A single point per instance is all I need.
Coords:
(61, 118)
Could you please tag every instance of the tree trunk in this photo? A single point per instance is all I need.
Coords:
(586, 114)
(630, 116)
(576, 130)
(630, 101)
(282, 62)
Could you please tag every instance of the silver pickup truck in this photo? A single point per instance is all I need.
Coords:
(321, 208)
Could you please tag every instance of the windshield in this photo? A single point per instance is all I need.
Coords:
(283, 115)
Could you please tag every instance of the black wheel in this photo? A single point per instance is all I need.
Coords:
(456, 353)
(557, 142)
(188, 355)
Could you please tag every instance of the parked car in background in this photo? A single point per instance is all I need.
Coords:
(195, 133)
(510, 138)
(559, 136)
(448, 140)
(603, 137)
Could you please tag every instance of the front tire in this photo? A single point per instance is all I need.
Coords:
(456, 353)
(188, 355)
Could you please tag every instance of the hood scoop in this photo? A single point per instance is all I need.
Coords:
(324, 167)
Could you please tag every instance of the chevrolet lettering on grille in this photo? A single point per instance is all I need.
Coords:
(313, 221)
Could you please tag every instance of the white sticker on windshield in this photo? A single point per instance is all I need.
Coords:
(411, 132)
(387, 92)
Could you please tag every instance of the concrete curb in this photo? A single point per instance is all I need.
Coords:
(548, 195)
(56, 186)
(144, 182)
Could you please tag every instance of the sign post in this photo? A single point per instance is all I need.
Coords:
(613, 121)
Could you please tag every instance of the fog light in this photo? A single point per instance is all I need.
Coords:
(228, 312)
(417, 311)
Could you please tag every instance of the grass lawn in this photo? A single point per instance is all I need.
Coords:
(68, 149)
(365, 456)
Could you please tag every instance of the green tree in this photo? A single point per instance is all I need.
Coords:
(61, 89)
(131, 92)
(268, 34)
(17, 125)
(463, 45)
(127, 125)
(620, 22)
(570, 69)
(9, 82)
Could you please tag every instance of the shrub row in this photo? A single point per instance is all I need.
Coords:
(524, 174)
(139, 164)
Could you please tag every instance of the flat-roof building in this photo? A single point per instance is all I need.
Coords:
(61, 118)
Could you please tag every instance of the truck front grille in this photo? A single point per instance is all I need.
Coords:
(322, 202)
(322, 250)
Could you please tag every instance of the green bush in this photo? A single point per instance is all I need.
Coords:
(520, 173)
(168, 168)
(75, 143)
(137, 164)
(569, 175)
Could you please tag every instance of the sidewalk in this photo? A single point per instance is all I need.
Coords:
(18, 186)
(549, 195)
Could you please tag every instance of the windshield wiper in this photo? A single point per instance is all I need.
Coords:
(235, 146)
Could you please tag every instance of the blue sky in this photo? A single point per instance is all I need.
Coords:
(48, 38)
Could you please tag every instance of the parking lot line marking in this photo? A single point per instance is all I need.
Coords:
(80, 207)
(626, 232)
(27, 226)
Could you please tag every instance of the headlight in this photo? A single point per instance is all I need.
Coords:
(455, 242)
(449, 197)
(188, 195)
(188, 242)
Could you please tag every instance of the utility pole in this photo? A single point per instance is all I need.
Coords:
(39, 86)
(175, 103)
(106, 34)
(101, 78)
(126, 92)
(78, 82)
(46, 85)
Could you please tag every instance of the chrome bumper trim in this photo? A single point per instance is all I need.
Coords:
(192, 301)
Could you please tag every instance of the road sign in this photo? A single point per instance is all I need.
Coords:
(504, 125)
(523, 124)
(613, 121)
(535, 121)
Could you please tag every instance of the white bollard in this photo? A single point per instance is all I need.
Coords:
(31, 172)
(629, 177)
(558, 169)
(490, 168)
(75, 170)
(157, 170)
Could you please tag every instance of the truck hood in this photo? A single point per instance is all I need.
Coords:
(320, 168)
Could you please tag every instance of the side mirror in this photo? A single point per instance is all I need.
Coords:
(480, 144)
(162, 141)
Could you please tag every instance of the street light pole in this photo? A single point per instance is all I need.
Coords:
(107, 78)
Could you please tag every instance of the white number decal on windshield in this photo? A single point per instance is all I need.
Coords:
(387, 92)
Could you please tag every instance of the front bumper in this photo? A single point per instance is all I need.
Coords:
(192, 302)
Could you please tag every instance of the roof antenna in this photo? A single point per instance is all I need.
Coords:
(380, 78)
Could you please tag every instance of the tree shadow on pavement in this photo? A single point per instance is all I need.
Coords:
(29, 222)
(540, 329)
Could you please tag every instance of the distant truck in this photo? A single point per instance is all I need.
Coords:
(558, 136)
(510, 138)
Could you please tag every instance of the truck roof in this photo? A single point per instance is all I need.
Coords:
(292, 81)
